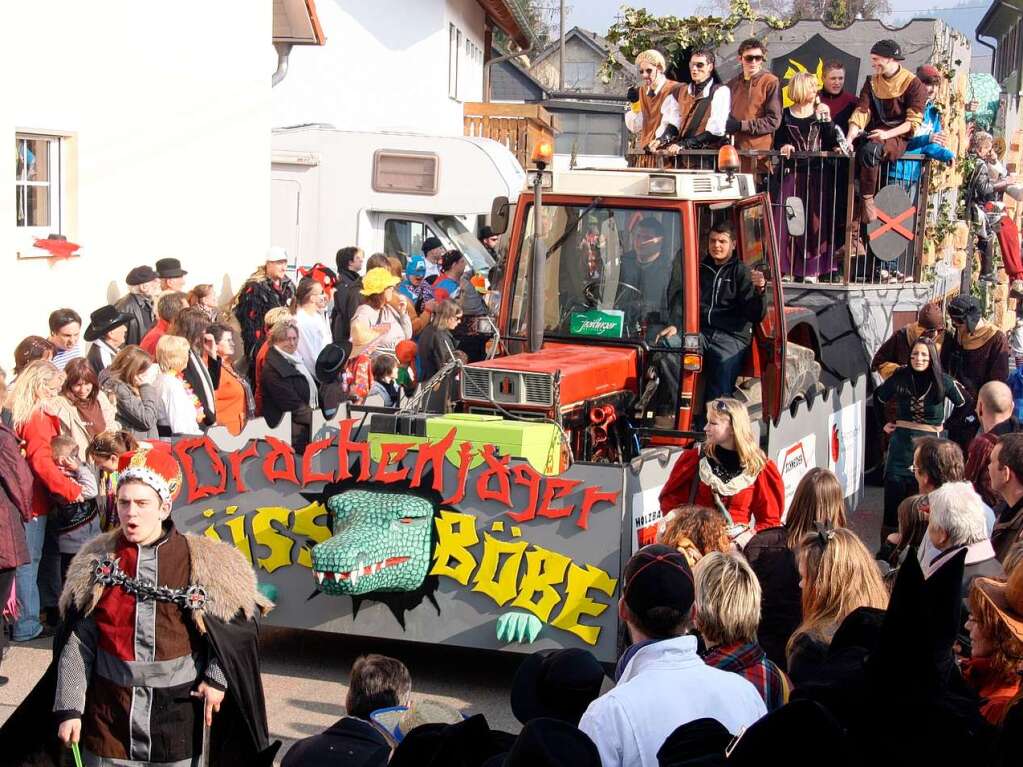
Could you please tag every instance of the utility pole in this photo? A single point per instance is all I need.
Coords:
(561, 55)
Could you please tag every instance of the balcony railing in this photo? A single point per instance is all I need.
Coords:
(826, 184)
(520, 127)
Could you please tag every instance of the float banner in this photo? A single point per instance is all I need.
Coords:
(436, 541)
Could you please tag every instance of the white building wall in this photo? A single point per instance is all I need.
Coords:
(169, 108)
(385, 66)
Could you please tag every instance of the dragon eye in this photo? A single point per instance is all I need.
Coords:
(406, 520)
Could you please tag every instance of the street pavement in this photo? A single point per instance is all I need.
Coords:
(305, 673)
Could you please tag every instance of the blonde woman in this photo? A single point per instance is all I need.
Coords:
(31, 404)
(772, 555)
(837, 575)
(727, 616)
(730, 473)
(806, 128)
(181, 412)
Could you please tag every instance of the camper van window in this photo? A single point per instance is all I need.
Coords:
(403, 238)
(464, 240)
(614, 273)
(405, 172)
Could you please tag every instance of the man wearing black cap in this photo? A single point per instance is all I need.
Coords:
(662, 682)
(975, 353)
(143, 285)
(433, 251)
(172, 276)
(890, 108)
(559, 684)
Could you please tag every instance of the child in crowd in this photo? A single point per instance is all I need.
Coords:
(76, 522)
(104, 451)
(180, 409)
(385, 370)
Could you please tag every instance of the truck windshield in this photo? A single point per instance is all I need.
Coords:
(466, 241)
(614, 273)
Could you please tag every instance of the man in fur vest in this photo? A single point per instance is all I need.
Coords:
(159, 639)
(654, 111)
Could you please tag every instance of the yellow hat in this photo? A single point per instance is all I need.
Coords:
(377, 281)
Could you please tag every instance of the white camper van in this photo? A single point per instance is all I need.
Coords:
(385, 192)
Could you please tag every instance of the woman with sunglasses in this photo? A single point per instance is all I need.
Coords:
(918, 392)
(729, 473)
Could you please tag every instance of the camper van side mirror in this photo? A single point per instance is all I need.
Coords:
(795, 217)
(499, 215)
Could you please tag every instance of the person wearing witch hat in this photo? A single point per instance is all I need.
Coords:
(975, 353)
(556, 684)
(143, 287)
(107, 331)
(159, 640)
(996, 643)
(172, 276)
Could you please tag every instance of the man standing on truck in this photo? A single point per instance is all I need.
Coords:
(654, 111)
(756, 103)
(703, 106)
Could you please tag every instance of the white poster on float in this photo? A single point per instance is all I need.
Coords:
(794, 462)
(845, 453)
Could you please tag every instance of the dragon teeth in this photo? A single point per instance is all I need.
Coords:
(319, 578)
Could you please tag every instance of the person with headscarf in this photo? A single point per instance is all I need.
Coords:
(975, 353)
(288, 385)
(918, 392)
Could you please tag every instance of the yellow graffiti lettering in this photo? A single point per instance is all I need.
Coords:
(238, 537)
(452, 544)
(211, 532)
(305, 525)
(267, 535)
(497, 580)
(544, 570)
(577, 603)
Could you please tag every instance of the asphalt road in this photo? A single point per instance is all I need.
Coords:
(305, 673)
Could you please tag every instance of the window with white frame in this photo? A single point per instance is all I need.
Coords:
(454, 51)
(38, 182)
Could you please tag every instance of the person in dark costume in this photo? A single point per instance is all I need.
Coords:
(919, 391)
(158, 640)
(977, 352)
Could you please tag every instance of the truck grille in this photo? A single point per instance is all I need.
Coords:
(702, 185)
(508, 387)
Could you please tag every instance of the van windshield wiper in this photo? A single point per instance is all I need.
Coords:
(570, 231)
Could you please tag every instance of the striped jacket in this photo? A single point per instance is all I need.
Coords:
(750, 661)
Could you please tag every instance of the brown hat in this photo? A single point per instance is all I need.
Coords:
(930, 317)
(1006, 597)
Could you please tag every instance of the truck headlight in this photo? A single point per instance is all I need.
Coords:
(662, 185)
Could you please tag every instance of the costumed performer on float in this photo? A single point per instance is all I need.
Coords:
(159, 639)
(729, 473)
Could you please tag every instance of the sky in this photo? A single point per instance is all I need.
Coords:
(598, 15)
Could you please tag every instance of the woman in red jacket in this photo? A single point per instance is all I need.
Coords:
(38, 384)
(730, 473)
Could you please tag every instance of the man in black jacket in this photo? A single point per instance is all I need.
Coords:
(268, 288)
(143, 284)
(377, 682)
(731, 300)
(347, 295)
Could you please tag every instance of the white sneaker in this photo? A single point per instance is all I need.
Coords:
(810, 280)
(883, 275)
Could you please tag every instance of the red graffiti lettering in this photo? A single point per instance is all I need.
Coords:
(465, 453)
(311, 451)
(432, 454)
(497, 468)
(556, 490)
(591, 497)
(345, 446)
(280, 451)
(183, 449)
(392, 453)
(529, 477)
(237, 458)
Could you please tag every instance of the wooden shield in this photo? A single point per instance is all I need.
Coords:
(895, 227)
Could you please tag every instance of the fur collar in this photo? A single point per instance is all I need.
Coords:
(984, 332)
(229, 580)
(727, 489)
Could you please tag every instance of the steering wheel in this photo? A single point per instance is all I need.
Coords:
(593, 297)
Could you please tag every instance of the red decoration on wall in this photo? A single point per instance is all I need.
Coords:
(432, 454)
(183, 450)
(345, 446)
(237, 458)
(529, 477)
(591, 497)
(558, 489)
(465, 454)
(311, 451)
(392, 453)
(281, 451)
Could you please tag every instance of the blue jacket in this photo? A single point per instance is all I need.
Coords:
(1016, 385)
(908, 171)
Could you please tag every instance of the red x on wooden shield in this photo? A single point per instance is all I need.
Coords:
(895, 228)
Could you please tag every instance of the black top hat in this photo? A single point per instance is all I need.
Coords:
(549, 743)
(470, 742)
(799, 733)
(557, 684)
(331, 360)
(169, 267)
(103, 320)
(141, 275)
(698, 738)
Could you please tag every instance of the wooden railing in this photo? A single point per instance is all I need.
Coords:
(519, 127)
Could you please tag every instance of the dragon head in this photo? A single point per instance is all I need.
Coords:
(381, 542)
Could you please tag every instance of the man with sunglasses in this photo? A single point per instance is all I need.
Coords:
(756, 102)
(703, 106)
(654, 111)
